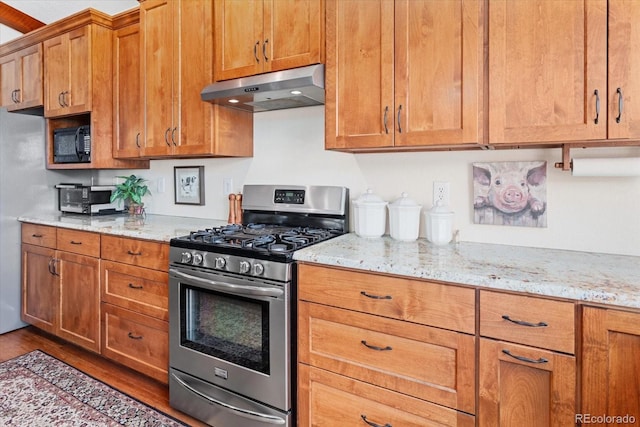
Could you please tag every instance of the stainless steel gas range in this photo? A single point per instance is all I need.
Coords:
(232, 305)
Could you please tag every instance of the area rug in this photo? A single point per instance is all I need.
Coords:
(37, 389)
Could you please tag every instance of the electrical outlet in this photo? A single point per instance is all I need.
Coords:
(161, 185)
(227, 186)
(441, 193)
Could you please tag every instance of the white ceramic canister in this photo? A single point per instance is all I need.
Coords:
(439, 222)
(404, 218)
(370, 215)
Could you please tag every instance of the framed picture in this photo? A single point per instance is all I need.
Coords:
(189, 185)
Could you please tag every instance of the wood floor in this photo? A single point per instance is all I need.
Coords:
(147, 390)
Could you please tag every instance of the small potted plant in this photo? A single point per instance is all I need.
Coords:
(131, 192)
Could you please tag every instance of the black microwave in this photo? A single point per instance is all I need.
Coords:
(72, 145)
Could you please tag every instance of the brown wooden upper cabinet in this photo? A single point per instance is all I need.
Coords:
(548, 63)
(403, 74)
(68, 70)
(176, 39)
(21, 79)
(254, 37)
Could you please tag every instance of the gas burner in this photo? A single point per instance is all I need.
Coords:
(230, 229)
(255, 226)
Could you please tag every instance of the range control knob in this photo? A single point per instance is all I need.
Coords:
(185, 257)
(197, 259)
(220, 263)
(245, 266)
(258, 269)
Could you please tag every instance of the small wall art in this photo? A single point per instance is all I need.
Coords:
(189, 185)
(510, 193)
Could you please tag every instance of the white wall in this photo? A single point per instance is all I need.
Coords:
(585, 214)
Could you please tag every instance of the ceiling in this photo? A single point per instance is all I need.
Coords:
(48, 11)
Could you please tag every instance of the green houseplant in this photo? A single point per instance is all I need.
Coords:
(131, 192)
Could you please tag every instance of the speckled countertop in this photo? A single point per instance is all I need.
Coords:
(583, 276)
(152, 227)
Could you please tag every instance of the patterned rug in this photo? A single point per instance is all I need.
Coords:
(39, 390)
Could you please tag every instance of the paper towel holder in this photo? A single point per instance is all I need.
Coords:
(567, 163)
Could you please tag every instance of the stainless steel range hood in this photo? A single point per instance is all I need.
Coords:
(298, 87)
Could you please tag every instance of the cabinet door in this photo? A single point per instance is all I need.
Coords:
(547, 70)
(239, 39)
(359, 110)
(624, 67)
(79, 312)
(126, 92)
(293, 33)
(438, 72)
(9, 80)
(527, 387)
(39, 287)
(157, 49)
(68, 73)
(29, 63)
(610, 364)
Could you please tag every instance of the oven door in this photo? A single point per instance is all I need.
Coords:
(231, 331)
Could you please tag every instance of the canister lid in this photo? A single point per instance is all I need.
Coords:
(368, 198)
(404, 201)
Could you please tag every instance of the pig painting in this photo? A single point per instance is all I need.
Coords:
(510, 193)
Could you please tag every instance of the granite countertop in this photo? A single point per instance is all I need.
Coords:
(582, 276)
(151, 227)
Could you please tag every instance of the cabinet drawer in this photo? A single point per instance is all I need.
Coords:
(142, 253)
(418, 301)
(41, 235)
(328, 399)
(136, 288)
(390, 353)
(135, 340)
(534, 321)
(78, 242)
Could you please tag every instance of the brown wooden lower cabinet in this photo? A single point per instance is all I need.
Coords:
(610, 374)
(39, 288)
(525, 386)
(329, 399)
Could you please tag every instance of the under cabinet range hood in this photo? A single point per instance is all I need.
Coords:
(297, 87)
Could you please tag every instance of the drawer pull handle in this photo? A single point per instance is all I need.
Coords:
(132, 286)
(525, 359)
(134, 337)
(372, 424)
(375, 347)
(134, 253)
(37, 236)
(375, 296)
(523, 323)
(73, 242)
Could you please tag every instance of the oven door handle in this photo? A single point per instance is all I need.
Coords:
(252, 415)
(229, 287)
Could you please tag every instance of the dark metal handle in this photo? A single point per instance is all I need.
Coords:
(60, 99)
(597, 106)
(138, 140)
(384, 119)
(375, 296)
(36, 235)
(173, 135)
(132, 286)
(134, 253)
(620, 101)
(372, 424)
(14, 96)
(525, 359)
(523, 323)
(64, 98)
(399, 123)
(375, 347)
(255, 51)
(50, 266)
(264, 50)
(166, 136)
(134, 337)
(73, 242)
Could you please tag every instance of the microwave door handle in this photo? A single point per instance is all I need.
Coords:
(229, 287)
(78, 144)
(252, 415)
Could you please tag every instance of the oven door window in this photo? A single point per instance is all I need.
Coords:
(231, 328)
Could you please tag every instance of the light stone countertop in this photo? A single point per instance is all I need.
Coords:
(151, 227)
(582, 276)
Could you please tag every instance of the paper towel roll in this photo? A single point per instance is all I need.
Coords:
(627, 166)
